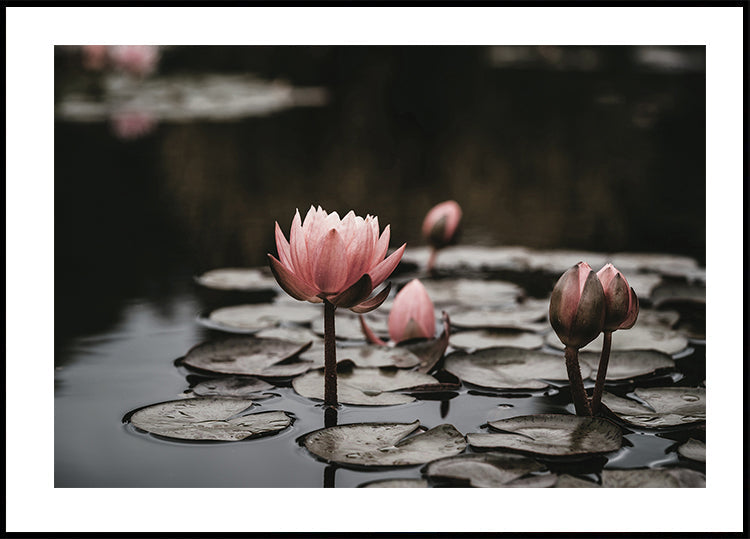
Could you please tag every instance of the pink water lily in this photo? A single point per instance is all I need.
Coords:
(413, 313)
(620, 299)
(337, 260)
(440, 225)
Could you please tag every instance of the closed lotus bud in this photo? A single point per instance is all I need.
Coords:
(577, 306)
(620, 299)
(413, 314)
(441, 224)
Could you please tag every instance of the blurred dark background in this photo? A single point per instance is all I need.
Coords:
(597, 148)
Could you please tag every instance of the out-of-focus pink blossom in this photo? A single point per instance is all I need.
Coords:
(337, 260)
(139, 60)
(413, 314)
(130, 125)
(441, 223)
(94, 57)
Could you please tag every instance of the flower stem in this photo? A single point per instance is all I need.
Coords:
(431, 261)
(577, 391)
(330, 397)
(601, 373)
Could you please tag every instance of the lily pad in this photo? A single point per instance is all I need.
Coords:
(369, 355)
(365, 386)
(231, 386)
(559, 261)
(291, 334)
(551, 434)
(693, 449)
(396, 483)
(531, 314)
(636, 338)
(472, 257)
(508, 368)
(244, 279)
(249, 356)
(625, 364)
(679, 292)
(666, 406)
(571, 481)
(348, 325)
(653, 478)
(490, 338)
(665, 264)
(472, 292)
(384, 444)
(255, 317)
(218, 419)
(488, 470)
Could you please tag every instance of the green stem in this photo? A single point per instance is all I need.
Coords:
(330, 397)
(601, 373)
(577, 391)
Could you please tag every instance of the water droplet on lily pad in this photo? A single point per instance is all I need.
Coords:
(364, 440)
(488, 470)
(217, 419)
(665, 406)
(508, 368)
(365, 386)
(249, 356)
(490, 338)
(551, 434)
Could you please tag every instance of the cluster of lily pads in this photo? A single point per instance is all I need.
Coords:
(496, 340)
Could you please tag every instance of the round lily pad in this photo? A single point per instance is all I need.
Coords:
(396, 483)
(249, 356)
(624, 364)
(653, 478)
(571, 481)
(487, 469)
(665, 406)
(244, 279)
(693, 449)
(644, 283)
(364, 386)
(218, 419)
(472, 257)
(369, 355)
(635, 338)
(472, 292)
(384, 444)
(551, 434)
(531, 314)
(679, 292)
(559, 261)
(255, 317)
(664, 264)
(291, 334)
(508, 368)
(490, 338)
(231, 386)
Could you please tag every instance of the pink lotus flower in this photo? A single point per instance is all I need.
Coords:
(94, 56)
(337, 260)
(577, 306)
(620, 299)
(139, 60)
(440, 225)
(413, 314)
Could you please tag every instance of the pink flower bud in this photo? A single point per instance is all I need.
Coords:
(441, 224)
(620, 299)
(333, 259)
(413, 314)
(94, 57)
(577, 306)
(138, 60)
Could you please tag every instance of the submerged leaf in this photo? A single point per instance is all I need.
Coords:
(488, 470)
(667, 406)
(219, 419)
(653, 478)
(624, 364)
(508, 368)
(488, 338)
(365, 386)
(250, 356)
(551, 434)
(231, 386)
(384, 444)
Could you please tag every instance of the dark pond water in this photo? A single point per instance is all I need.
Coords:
(551, 148)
